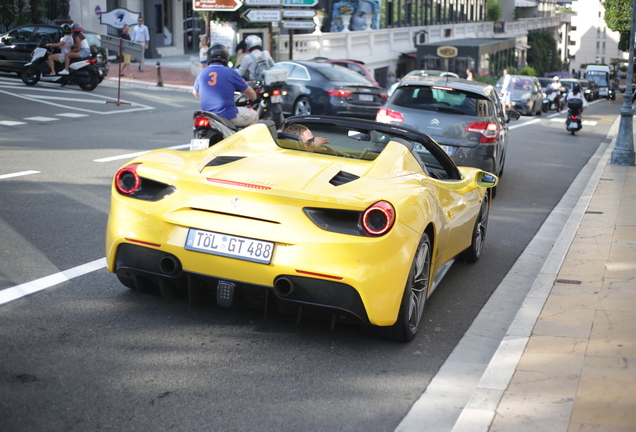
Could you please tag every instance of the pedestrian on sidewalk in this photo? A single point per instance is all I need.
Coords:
(141, 35)
(203, 50)
(126, 68)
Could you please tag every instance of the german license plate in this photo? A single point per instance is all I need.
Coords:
(366, 98)
(242, 248)
(199, 143)
(277, 99)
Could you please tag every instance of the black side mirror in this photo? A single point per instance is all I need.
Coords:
(513, 115)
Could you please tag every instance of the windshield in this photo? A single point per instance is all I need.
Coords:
(442, 99)
(600, 78)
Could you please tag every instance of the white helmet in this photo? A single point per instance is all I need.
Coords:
(253, 41)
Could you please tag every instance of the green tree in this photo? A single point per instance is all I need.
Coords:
(539, 58)
(618, 17)
(7, 12)
(494, 10)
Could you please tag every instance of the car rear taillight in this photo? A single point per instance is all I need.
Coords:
(201, 121)
(127, 180)
(339, 93)
(378, 219)
(489, 131)
(387, 116)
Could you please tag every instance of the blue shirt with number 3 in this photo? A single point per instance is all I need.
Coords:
(216, 85)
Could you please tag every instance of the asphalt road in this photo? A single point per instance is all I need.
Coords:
(86, 353)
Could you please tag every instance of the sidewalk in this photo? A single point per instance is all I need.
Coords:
(175, 73)
(576, 369)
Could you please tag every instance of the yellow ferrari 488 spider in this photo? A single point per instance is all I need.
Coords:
(360, 222)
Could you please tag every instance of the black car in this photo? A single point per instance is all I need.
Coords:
(465, 117)
(589, 89)
(325, 88)
(17, 45)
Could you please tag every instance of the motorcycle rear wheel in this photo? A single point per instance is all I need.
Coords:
(30, 76)
(92, 82)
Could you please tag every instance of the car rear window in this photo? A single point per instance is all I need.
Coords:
(338, 73)
(443, 99)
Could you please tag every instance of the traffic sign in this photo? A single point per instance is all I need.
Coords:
(299, 13)
(306, 3)
(262, 2)
(299, 25)
(262, 15)
(217, 5)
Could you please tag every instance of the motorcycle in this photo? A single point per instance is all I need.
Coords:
(83, 72)
(573, 123)
(611, 93)
(550, 100)
(210, 128)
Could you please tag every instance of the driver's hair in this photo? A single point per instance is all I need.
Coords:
(296, 128)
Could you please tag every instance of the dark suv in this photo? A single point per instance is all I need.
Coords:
(17, 45)
(465, 117)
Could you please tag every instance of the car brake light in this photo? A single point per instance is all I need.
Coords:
(201, 121)
(338, 93)
(378, 219)
(387, 116)
(127, 180)
(489, 131)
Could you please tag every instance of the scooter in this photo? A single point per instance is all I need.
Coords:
(573, 123)
(550, 101)
(83, 72)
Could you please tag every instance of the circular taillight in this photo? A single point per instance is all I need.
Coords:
(378, 219)
(127, 180)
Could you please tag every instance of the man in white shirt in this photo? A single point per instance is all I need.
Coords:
(141, 35)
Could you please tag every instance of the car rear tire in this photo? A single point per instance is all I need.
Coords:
(414, 297)
(473, 253)
(302, 106)
(30, 75)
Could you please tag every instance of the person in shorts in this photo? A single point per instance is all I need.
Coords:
(65, 44)
(126, 67)
(215, 86)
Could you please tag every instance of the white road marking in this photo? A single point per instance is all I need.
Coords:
(134, 155)
(25, 289)
(11, 123)
(18, 174)
(518, 125)
(40, 119)
(72, 115)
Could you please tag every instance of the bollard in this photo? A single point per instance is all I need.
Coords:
(159, 80)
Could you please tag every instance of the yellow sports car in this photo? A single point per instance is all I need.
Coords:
(359, 220)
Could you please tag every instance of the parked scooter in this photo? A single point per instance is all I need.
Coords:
(574, 123)
(83, 72)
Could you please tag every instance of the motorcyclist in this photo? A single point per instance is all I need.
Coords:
(215, 86)
(65, 44)
(248, 67)
(555, 95)
(576, 93)
(82, 48)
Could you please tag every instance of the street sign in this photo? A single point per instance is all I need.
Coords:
(217, 5)
(262, 15)
(299, 13)
(306, 3)
(262, 2)
(296, 25)
(118, 18)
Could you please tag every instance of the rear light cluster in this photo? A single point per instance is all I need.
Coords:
(388, 116)
(201, 121)
(339, 93)
(489, 131)
(127, 180)
(129, 183)
(375, 221)
(378, 219)
(275, 92)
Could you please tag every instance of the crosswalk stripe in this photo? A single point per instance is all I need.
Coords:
(40, 119)
(11, 123)
(72, 115)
